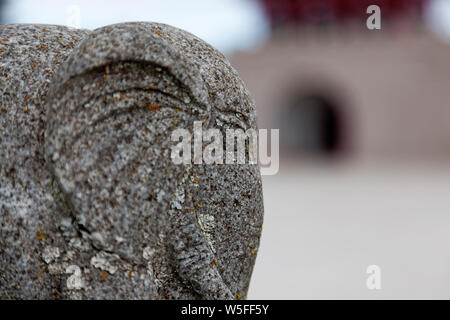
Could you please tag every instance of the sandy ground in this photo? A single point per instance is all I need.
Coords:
(325, 225)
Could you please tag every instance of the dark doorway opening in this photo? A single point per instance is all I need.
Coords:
(311, 125)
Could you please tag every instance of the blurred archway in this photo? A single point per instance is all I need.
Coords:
(311, 125)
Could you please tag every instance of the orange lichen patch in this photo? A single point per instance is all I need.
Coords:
(153, 108)
(104, 275)
(189, 196)
(213, 263)
(191, 208)
(253, 251)
(46, 48)
(57, 39)
(130, 273)
(27, 97)
(239, 296)
(133, 171)
(5, 39)
(1, 48)
(122, 96)
(41, 235)
(195, 180)
(33, 64)
(158, 32)
(198, 205)
(151, 86)
(25, 109)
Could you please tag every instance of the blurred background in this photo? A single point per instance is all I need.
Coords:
(364, 119)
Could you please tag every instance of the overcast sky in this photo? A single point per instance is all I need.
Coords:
(226, 24)
(438, 18)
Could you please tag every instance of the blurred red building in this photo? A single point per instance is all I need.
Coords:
(347, 90)
(287, 12)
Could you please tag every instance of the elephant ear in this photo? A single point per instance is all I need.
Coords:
(113, 106)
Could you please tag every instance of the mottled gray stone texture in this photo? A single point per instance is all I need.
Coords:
(91, 205)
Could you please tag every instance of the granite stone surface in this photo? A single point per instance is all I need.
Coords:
(91, 204)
